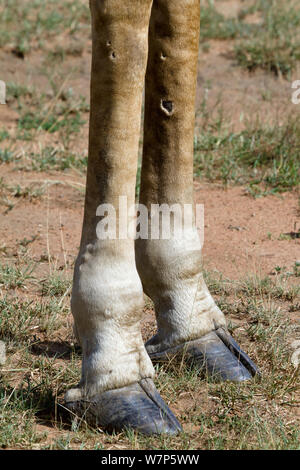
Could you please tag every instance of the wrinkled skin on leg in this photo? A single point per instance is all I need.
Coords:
(171, 269)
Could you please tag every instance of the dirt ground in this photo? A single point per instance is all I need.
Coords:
(243, 235)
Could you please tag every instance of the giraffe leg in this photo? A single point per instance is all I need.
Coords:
(187, 316)
(116, 387)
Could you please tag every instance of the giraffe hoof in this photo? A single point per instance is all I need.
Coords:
(138, 406)
(217, 354)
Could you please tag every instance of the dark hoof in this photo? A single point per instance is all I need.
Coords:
(217, 355)
(138, 406)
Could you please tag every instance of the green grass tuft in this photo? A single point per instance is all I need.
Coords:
(267, 156)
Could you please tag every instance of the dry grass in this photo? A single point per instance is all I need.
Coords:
(43, 362)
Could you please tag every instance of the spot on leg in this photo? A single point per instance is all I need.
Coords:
(167, 107)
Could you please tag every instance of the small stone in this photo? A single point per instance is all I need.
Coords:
(236, 227)
(2, 353)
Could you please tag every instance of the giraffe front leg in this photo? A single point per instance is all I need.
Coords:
(187, 316)
(116, 387)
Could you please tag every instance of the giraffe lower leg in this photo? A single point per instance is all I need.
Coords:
(170, 269)
(107, 295)
(188, 319)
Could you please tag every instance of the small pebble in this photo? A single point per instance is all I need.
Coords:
(2, 353)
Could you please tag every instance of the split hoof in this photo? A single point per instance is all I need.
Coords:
(138, 406)
(216, 354)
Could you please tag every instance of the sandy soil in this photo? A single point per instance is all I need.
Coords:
(241, 234)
